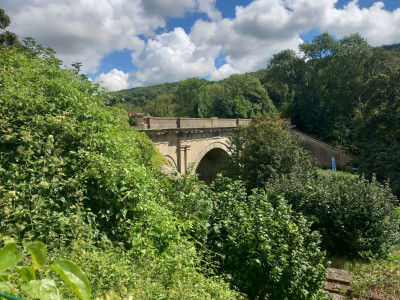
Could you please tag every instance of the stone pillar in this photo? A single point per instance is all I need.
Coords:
(140, 122)
(212, 120)
(183, 158)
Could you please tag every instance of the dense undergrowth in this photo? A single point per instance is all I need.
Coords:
(76, 176)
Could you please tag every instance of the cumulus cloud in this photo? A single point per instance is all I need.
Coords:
(114, 80)
(170, 57)
(87, 30)
(376, 24)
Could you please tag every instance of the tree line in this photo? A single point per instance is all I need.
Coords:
(344, 91)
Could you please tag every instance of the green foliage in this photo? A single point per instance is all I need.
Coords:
(264, 150)
(379, 277)
(321, 90)
(140, 96)
(259, 249)
(74, 276)
(378, 127)
(161, 106)
(74, 174)
(7, 38)
(239, 96)
(351, 213)
(264, 250)
(189, 102)
(4, 19)
(345, 92)
(29, 286)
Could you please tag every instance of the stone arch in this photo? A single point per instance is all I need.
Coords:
(171, 160)
(208, 161)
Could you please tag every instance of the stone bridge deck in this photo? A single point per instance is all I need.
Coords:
(204, 142)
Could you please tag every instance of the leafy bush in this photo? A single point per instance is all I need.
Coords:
(60, 146)
(75, 175)
(33, 286)
(265, 251)
(351, 213)
(263, 150)
(261, 250)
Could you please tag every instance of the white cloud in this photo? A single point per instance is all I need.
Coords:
(377, 25)
(84, 30)
(170, 57)
(87, 30)
(114, 80)
(208, 7)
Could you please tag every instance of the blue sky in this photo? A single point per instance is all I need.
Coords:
(130, 43)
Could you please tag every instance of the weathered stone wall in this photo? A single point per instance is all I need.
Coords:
(323, 152)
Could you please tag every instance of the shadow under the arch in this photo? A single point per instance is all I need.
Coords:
(211, 164)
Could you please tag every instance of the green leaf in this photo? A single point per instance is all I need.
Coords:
(27, 273)
(44, 289)
(5, 288)
(9, 255)
(74, 276)
(38, 252)
(4, 277)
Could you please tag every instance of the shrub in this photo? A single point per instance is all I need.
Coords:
(75, 175)
(264, 150)
(351, 213)
(261, 250)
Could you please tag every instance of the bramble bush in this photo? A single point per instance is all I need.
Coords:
(352, 214)
(75, 175)
(263, 251)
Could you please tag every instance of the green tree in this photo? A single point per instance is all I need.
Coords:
(4, 19)
(161, 106)
(248, 96)
(7, 38)
(220, 104)
(264, 150)
(283, 78)
(321, 91)
(378, 129)
(352, 214)
(188, 98)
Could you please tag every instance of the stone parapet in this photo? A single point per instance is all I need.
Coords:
(156, 123)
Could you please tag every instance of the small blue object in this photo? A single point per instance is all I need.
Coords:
(333, 163)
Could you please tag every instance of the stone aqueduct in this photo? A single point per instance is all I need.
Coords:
(203, 143)
(186, 142)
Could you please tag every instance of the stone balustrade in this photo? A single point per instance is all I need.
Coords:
(156, 123)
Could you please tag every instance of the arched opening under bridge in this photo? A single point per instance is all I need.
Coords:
(211, 164)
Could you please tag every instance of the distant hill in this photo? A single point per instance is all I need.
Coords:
(142, 95)
(394, 48)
